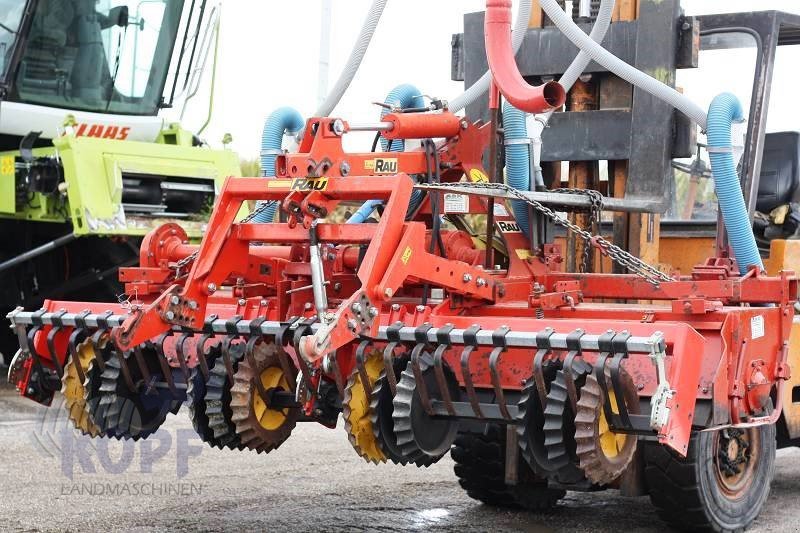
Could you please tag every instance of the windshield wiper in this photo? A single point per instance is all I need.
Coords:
(9, 30)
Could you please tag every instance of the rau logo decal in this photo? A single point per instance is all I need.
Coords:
(309, 184)
(381, 165)
(509, 227)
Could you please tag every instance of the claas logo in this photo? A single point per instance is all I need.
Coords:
(309, 184)
(102, 131)
(381, 165)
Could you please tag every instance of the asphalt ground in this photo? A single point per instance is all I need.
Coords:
(53, 480)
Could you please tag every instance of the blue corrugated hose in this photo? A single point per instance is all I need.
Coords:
(724, 110)
(281, 121)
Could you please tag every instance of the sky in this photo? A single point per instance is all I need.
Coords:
(269, 54)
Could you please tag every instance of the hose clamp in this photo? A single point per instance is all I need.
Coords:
(719, 149)
(511, 142)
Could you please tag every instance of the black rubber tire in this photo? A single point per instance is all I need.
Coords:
(688, 496)
(480, 468)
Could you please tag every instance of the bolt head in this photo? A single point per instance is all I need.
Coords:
(338, 126)
(420, 308)
(480, 282)
(388, 292)
(193, 305)
(467, 278)
(344, 168)
(395, 307)
(175, 300)
(351, 324)
(356, 308)
(307, 306)
(170, 315)
(212, 287)
(373, 312)
(242, 301)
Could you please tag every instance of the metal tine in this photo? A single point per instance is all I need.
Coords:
(337, 373)
(181, 353)
(233, 334)
(543, 342)
(99, 341)
(73, 352)
(166, 369)
(393, 336)
(606, 346)
(51, 338)
(31, 337)
(126, 371)
(620, 352)
(443, 341)
(361, 367)
(249, 350)
(499, 341)
(78, 335)
(145, 372)
(281, 340)
(416, 367)
(471, 343)
(574, 347)
(202, 354)
(255, 333)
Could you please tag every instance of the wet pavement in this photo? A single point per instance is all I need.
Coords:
(54, 481)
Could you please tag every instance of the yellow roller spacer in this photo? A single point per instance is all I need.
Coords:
(271, 419)
(357, 413)
(75, 392)
(611, 443)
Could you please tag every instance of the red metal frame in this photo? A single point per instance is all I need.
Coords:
(726, 335)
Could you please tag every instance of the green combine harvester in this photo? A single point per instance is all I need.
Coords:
(87, 163)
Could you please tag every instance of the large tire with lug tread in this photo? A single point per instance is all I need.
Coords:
(721, 485)
(480, 467)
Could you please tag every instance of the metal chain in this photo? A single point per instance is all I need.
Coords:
(186, 261)
(611, 250)
(595, 212)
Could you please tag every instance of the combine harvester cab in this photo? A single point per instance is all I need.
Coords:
(428, 338)
(88, 164)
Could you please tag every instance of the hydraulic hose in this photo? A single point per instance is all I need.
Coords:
(726, 109)
(500, 55)
(479, 88)
(354, 61)
(404, 96)
(618, 66)
(282, 121)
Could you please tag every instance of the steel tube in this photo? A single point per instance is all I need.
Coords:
(36, 252)
(514, 339)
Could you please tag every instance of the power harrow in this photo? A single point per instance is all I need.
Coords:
(425, 333)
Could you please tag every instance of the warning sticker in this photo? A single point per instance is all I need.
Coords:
(757, 327)
(456, 203)
(6, 165)
(477, 176)
(500, 210)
